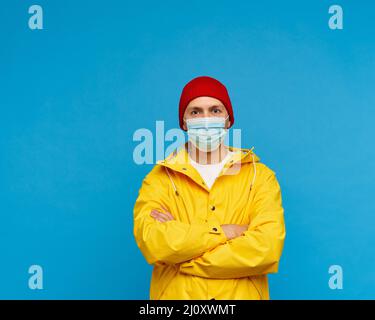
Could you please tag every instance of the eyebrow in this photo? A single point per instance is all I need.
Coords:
(213, 106)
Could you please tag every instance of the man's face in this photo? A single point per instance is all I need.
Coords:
(205, 107)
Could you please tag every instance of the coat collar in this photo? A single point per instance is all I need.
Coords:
(178, 161)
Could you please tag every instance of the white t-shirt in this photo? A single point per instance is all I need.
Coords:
(209, 172)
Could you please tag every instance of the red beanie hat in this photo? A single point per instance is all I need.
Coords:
(204, 86)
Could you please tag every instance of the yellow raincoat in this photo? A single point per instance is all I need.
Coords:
(191, 255)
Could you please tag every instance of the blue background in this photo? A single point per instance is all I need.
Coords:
(73, 94)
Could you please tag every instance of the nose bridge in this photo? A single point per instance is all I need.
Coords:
(206, 112)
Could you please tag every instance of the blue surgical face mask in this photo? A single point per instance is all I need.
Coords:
(206, 133)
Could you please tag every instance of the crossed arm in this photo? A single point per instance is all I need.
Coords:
(171, 242)
(213, 250)
(231, 231)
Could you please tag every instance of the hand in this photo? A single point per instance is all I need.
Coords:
(161, 216)
(234, 230)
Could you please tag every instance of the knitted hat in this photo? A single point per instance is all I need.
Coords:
(204, 86)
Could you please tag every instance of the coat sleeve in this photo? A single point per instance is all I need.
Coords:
(255, 252)
(173, 241)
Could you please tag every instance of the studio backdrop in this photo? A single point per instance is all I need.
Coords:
(84, 83)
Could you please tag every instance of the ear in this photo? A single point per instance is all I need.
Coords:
(184, 126)
(228, 124)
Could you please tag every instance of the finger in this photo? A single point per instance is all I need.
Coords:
(244, 229)
(167, 213)
(163, 220)
(239, 229)
(159, 219)
(158, 213)
(166, 216)
(156, 216)
(162, 216)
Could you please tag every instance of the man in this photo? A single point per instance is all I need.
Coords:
(209, 217)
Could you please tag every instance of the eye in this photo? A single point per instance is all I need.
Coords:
(194, 112)
(216, 110)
